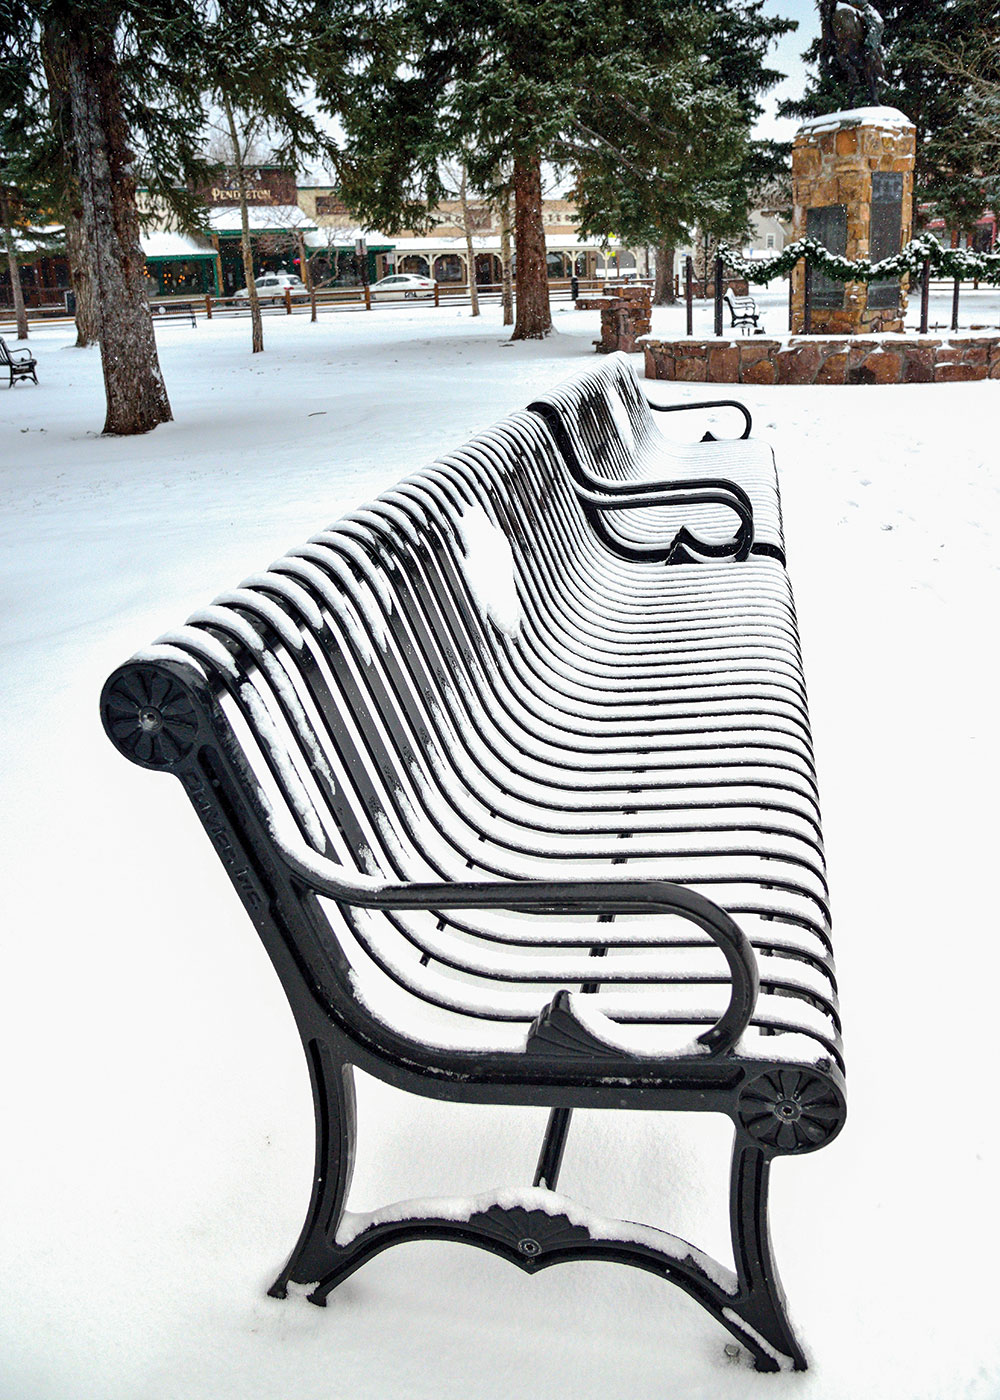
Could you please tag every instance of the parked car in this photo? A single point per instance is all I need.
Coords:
(403, 284)
(271, 287)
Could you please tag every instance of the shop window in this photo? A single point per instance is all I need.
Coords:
(448, 267)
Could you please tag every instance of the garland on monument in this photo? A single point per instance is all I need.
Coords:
(957, 263)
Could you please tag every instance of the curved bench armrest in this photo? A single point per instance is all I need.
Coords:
(561, 897)
(704, 491)
(712, 403)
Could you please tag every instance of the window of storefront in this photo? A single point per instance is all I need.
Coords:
(180, 277)
(489, 271)
(448, 267)
(414, 263)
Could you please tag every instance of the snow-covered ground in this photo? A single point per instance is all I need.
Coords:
(156, 1105)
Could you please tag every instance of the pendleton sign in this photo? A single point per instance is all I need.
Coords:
(266, 184)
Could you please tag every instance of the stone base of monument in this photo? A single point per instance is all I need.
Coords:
(852, 186)
(824, 359)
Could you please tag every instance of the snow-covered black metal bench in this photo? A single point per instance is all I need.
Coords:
(522, 815)
(726, 501)
(743, 314)
(19, 364)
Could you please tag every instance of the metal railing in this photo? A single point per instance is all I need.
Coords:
(920, 286)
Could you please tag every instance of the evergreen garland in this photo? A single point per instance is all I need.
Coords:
(961, 264)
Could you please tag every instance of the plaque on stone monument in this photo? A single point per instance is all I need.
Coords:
(828, 225)
(886, 233)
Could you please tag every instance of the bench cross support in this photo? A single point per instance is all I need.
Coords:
(535, 1228)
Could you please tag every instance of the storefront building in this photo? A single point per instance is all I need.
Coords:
(180, 265)
(184, 265)
(981, 238)
(42, 266)
(442, 253)
(341, 254)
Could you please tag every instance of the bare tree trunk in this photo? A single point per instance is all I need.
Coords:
(663, 291)
(256, 323)
(53, 52)
(507, 295)
(7, 220)
(469, 250)
(79, 278)
(102, 163)
(534, 318)
(307, 276)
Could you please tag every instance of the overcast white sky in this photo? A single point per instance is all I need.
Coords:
(787, 57)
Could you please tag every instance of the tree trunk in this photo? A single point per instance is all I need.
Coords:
(663, 291)
(534, 319)
(307, 276)
(7, 220)
(79, 277)
(53, 51)
(256, 324)
(102, 163)
(507, 295)
(469, 250)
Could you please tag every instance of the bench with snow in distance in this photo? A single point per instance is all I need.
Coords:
(19, 364)
(524, 814)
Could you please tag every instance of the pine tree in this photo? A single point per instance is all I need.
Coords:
(684, 156)
(965, 151)
(126, 89)
(603, 88)
(102, 157)
(23, 195)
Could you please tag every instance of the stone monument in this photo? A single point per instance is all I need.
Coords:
(852, 187)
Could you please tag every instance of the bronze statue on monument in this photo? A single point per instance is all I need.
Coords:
(850, 48)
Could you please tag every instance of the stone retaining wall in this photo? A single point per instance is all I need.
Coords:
(823, 360)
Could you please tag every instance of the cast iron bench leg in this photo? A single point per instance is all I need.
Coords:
(336, 1135)
(762, 1297)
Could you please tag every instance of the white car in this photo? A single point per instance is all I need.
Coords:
(403, 284)
(271, 287)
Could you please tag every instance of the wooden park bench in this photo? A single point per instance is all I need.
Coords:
(523, 815)
(19, 364)
(173, 311)
(607, 431)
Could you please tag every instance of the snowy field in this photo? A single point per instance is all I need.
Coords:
(156, 1101)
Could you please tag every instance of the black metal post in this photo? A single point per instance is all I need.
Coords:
(807, 318)
(925, 294)
(954, 304)
(719, 273)
(689, 292)
(551, 1155)
(791, 296)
